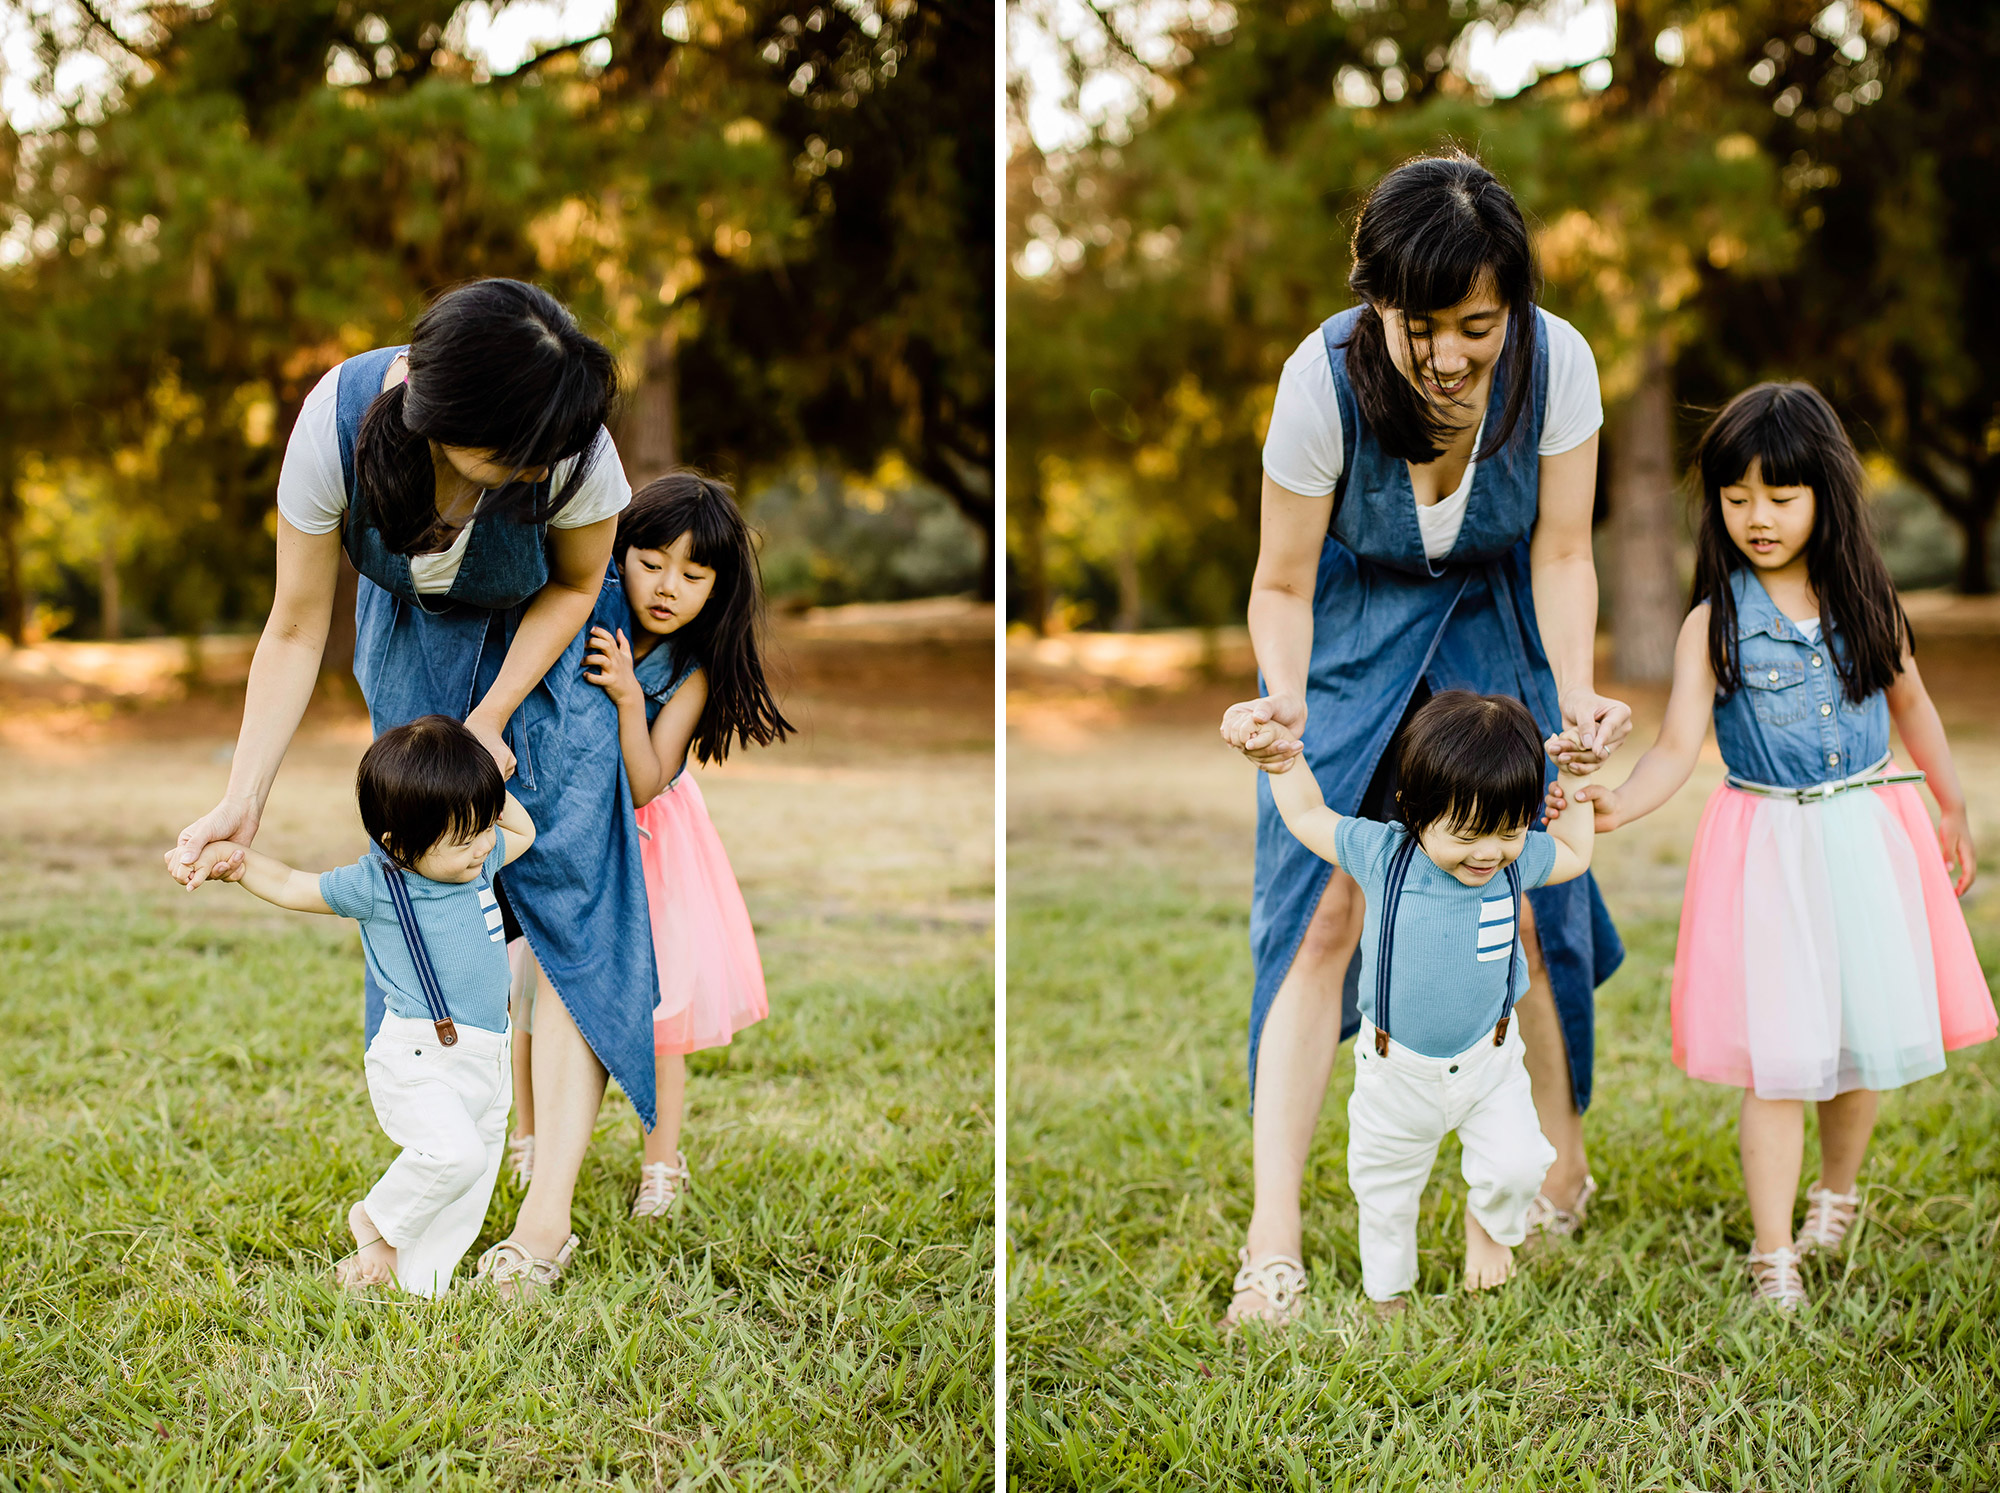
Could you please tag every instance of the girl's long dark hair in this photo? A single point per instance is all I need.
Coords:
(1426, 234)
(496, 365)
(724, 637)
(1794, 433)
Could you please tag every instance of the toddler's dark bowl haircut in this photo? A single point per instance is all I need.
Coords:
(1472, 762)
(424, 781)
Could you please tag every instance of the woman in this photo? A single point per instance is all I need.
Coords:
(1428, 481)
(471, 481)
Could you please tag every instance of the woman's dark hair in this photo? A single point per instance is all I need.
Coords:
(424, 781)
(496, 365)
(724, 637)
(1793, 433)
(1474, 762)
(1428, 232)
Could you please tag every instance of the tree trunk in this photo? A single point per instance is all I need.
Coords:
(109, 623)
(13, 590)
(1975, 576)
(1129, 598)
(1645, 601)
(650, 443)
(1029, 517)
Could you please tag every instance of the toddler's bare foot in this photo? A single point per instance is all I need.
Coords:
(1394, 1307)
(373, 1262)
(1487, 1264)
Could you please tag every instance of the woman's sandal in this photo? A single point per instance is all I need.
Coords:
(1547, 1221)
(521, 1156)
(1279, 1279)
(1829, 1215)
(518, 1275)
(1775, 1281)
(661, 1184)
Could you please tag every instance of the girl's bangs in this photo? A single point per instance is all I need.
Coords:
(1787, 453)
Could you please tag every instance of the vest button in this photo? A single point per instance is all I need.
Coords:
(1815, 660)
(1826, 710)
(1774, 676)
(1833, 759)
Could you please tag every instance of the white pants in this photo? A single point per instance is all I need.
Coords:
(447, 1108)
(1402, 1107)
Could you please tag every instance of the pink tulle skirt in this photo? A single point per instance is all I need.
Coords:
(711, 980)
(1821, 947)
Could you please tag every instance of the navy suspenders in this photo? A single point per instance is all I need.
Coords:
(406, 915)
(1385, 947)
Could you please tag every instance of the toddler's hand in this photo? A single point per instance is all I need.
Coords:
(611, 657)
(220, 860)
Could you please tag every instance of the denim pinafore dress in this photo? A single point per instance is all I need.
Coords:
(1387, 618)
(579, 892)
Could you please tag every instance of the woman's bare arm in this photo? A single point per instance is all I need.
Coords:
(555, 616)
(1281, 624)
(282, 676)
(1565, 581)
(1659, 774)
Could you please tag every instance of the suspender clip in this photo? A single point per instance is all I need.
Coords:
(1500, 1031)
(448, 1032)
(1381, 1043)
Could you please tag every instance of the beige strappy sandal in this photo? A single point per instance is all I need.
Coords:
(661, 1184)
(518, 1275)
(1829, 1215)
(1775, 1280)
(521, 1157)
(1279, 1279)
(1547, 1221)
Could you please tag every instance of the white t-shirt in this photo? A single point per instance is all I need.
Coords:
(312, 495)
(1302, 449)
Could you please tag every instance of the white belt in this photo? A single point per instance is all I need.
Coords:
(1866, 778)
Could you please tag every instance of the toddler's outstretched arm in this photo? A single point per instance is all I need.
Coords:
(1572, 825)
(1659, 774)
(261, 876)
(1296, 792)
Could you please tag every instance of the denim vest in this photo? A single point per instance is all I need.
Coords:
(506, 561)
(579, 894)
(1385, 617)
(1792, 725)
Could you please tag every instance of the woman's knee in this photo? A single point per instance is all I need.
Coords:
(1335, 926)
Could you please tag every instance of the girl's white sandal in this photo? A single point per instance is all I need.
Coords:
(521, 1156)
(1547, 1221)
(1829, 1215)
(518, 1275)
(1279, 1279)
(1775, 1281)
(661, 1184)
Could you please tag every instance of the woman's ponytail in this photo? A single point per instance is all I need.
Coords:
(394, 485)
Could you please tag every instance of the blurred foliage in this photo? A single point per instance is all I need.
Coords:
(794, 197)
(1739, 191)
(830, 537)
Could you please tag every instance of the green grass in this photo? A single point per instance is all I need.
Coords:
(183, 1121)
(1629, 1360)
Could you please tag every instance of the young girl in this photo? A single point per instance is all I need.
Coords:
(688, 677)
(1822, 953)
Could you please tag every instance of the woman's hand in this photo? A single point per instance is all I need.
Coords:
(611, 656)
(1599, 723)
(1267, 731)
(232, 819)
(490, 735)
(1955, 840)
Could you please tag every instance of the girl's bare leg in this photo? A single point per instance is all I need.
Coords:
(1294, 1061)
(524, 1084)
(670, 1082)
(569, 1086)
(1772, 1134)
(1547, 1057)
(1846, 1122)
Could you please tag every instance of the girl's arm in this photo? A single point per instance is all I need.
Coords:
(263, 876)
(518, 828)
(1666, 765)
(1565, 585)
(1281, 624)
(651, 757)
(1296, 792)
(672, 732)
(577, 558)
(1917, 720)
(282, 675)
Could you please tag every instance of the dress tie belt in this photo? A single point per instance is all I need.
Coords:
(1864, 779)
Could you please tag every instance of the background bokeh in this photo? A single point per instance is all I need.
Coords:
(778, 214)
(1721, 193)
